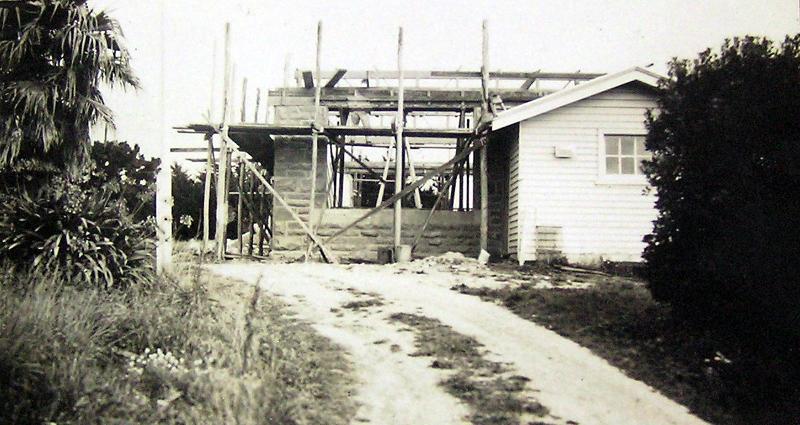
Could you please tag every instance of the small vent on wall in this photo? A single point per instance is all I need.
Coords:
(548, 243)
(564, 152)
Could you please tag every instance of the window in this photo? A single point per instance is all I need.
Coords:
(624, 154)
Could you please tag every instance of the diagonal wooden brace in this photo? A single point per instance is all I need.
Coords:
(327, 255)
(478, 143)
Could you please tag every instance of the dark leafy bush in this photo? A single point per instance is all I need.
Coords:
(187, 193)
(121, 168)
(726, 165)
(87, 236)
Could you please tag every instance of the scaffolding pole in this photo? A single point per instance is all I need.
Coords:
(484, 193)
(398, 172)
(222, 196)
(315, 134)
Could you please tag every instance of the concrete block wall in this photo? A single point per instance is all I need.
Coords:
(293, 181)
(448, 231)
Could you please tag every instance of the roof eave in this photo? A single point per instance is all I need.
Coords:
(573, 94)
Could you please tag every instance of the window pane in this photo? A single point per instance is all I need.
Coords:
(627, 145)
(640, 150)
(612, 165)
(628, 165)
(612, 146)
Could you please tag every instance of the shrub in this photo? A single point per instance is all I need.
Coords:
(173, 353)
(187, 192)
(726, 167)
(120, 167)
(86, 236)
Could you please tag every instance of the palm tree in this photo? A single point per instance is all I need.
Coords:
(54, 57)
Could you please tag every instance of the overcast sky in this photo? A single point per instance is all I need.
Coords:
(590, 35)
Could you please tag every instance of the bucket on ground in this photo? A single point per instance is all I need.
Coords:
(402, 253)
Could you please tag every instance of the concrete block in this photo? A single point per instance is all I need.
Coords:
(288, 244)
(432, 234)
(325, 231)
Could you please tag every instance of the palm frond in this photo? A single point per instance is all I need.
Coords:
(54, 57)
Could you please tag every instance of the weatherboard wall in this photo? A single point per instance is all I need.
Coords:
(598, 219)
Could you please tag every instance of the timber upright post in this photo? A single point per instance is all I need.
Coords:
(207, 192)
(239, 205)
(484, 159)
(398, 171)
(222, 196)
(164, 199)
(315, 133)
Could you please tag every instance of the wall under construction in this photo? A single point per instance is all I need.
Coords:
(448, 231)
(292, 178)
(457, 231)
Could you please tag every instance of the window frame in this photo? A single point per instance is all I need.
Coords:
(617, 179)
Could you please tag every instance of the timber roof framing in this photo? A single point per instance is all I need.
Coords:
(306, 130)
(573, 94)
(385, 99)
(333, 77)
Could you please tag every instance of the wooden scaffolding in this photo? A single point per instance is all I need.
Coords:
(346, 103)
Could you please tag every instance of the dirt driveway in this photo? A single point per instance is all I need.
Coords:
(351, 304)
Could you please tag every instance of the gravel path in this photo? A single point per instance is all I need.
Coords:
(575, 385)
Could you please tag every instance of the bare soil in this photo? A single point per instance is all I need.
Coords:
(353, 305)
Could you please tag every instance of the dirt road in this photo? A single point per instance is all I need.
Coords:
(575, 385)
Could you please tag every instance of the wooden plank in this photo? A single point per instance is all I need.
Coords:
(341, 171)
(326, 254)
(211, 99)
(252, 213)
(528, 83)
(413, 173)
(258, 105)
(222, 200)
(207, 193)
(382, 185)
(335, 78)
(191, 150)
(398, 171)
(243, 112)
(477, 144)
(315, 134)
(308, 79)
(436, 203)
(453, 75)
(484, 192)
(239, 200)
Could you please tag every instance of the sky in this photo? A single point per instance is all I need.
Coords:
(559, 36)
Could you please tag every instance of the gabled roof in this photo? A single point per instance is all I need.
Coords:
(573, 94)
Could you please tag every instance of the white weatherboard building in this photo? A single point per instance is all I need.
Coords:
(565, 175)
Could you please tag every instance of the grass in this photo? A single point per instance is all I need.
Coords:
(185, 351)
(716, 371)
(494, 396)
(359, 305)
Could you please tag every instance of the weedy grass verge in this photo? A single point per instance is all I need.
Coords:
(192, 349)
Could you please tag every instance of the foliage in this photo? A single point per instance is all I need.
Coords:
(85, 235)
(726, 166)
(187, 193)
(168, 353)
(54, 56)
(120, 168)
(709, 369)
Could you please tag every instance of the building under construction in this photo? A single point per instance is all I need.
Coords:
(348, 163)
